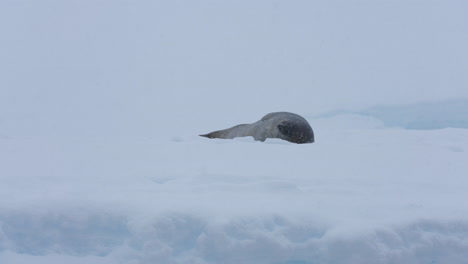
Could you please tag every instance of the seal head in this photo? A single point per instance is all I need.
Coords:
(296, 132)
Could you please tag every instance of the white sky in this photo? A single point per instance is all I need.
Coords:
(137, 65)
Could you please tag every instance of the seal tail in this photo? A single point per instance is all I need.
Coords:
(210, 135)
(217, 134)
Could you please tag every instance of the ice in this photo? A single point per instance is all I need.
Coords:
(433, 115)
(356, 196)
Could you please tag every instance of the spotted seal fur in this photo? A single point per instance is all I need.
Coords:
(284, 125)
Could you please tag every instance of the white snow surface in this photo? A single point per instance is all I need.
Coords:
(362, 194)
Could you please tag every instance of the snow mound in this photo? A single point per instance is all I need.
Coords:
(419, 116)
(435, 115)
(355, 196)
(177, 238)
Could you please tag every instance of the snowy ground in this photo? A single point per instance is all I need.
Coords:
(363, 193)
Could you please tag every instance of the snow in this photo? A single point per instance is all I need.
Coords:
(102, 102)
(357, 195)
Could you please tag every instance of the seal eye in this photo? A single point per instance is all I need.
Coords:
(296, 132)
(286, 128)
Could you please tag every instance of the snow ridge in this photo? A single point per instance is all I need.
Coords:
(179, 238)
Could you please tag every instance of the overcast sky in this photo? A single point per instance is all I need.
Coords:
(138, 66)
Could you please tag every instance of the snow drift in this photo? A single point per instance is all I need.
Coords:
(362, 195)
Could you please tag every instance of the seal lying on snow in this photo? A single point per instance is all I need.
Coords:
(288, 126)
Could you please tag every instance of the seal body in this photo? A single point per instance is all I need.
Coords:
(287, 126)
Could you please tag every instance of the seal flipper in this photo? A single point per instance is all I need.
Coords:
(215, 134)
(230, 133)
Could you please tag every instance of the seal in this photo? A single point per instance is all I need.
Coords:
(284, 125)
